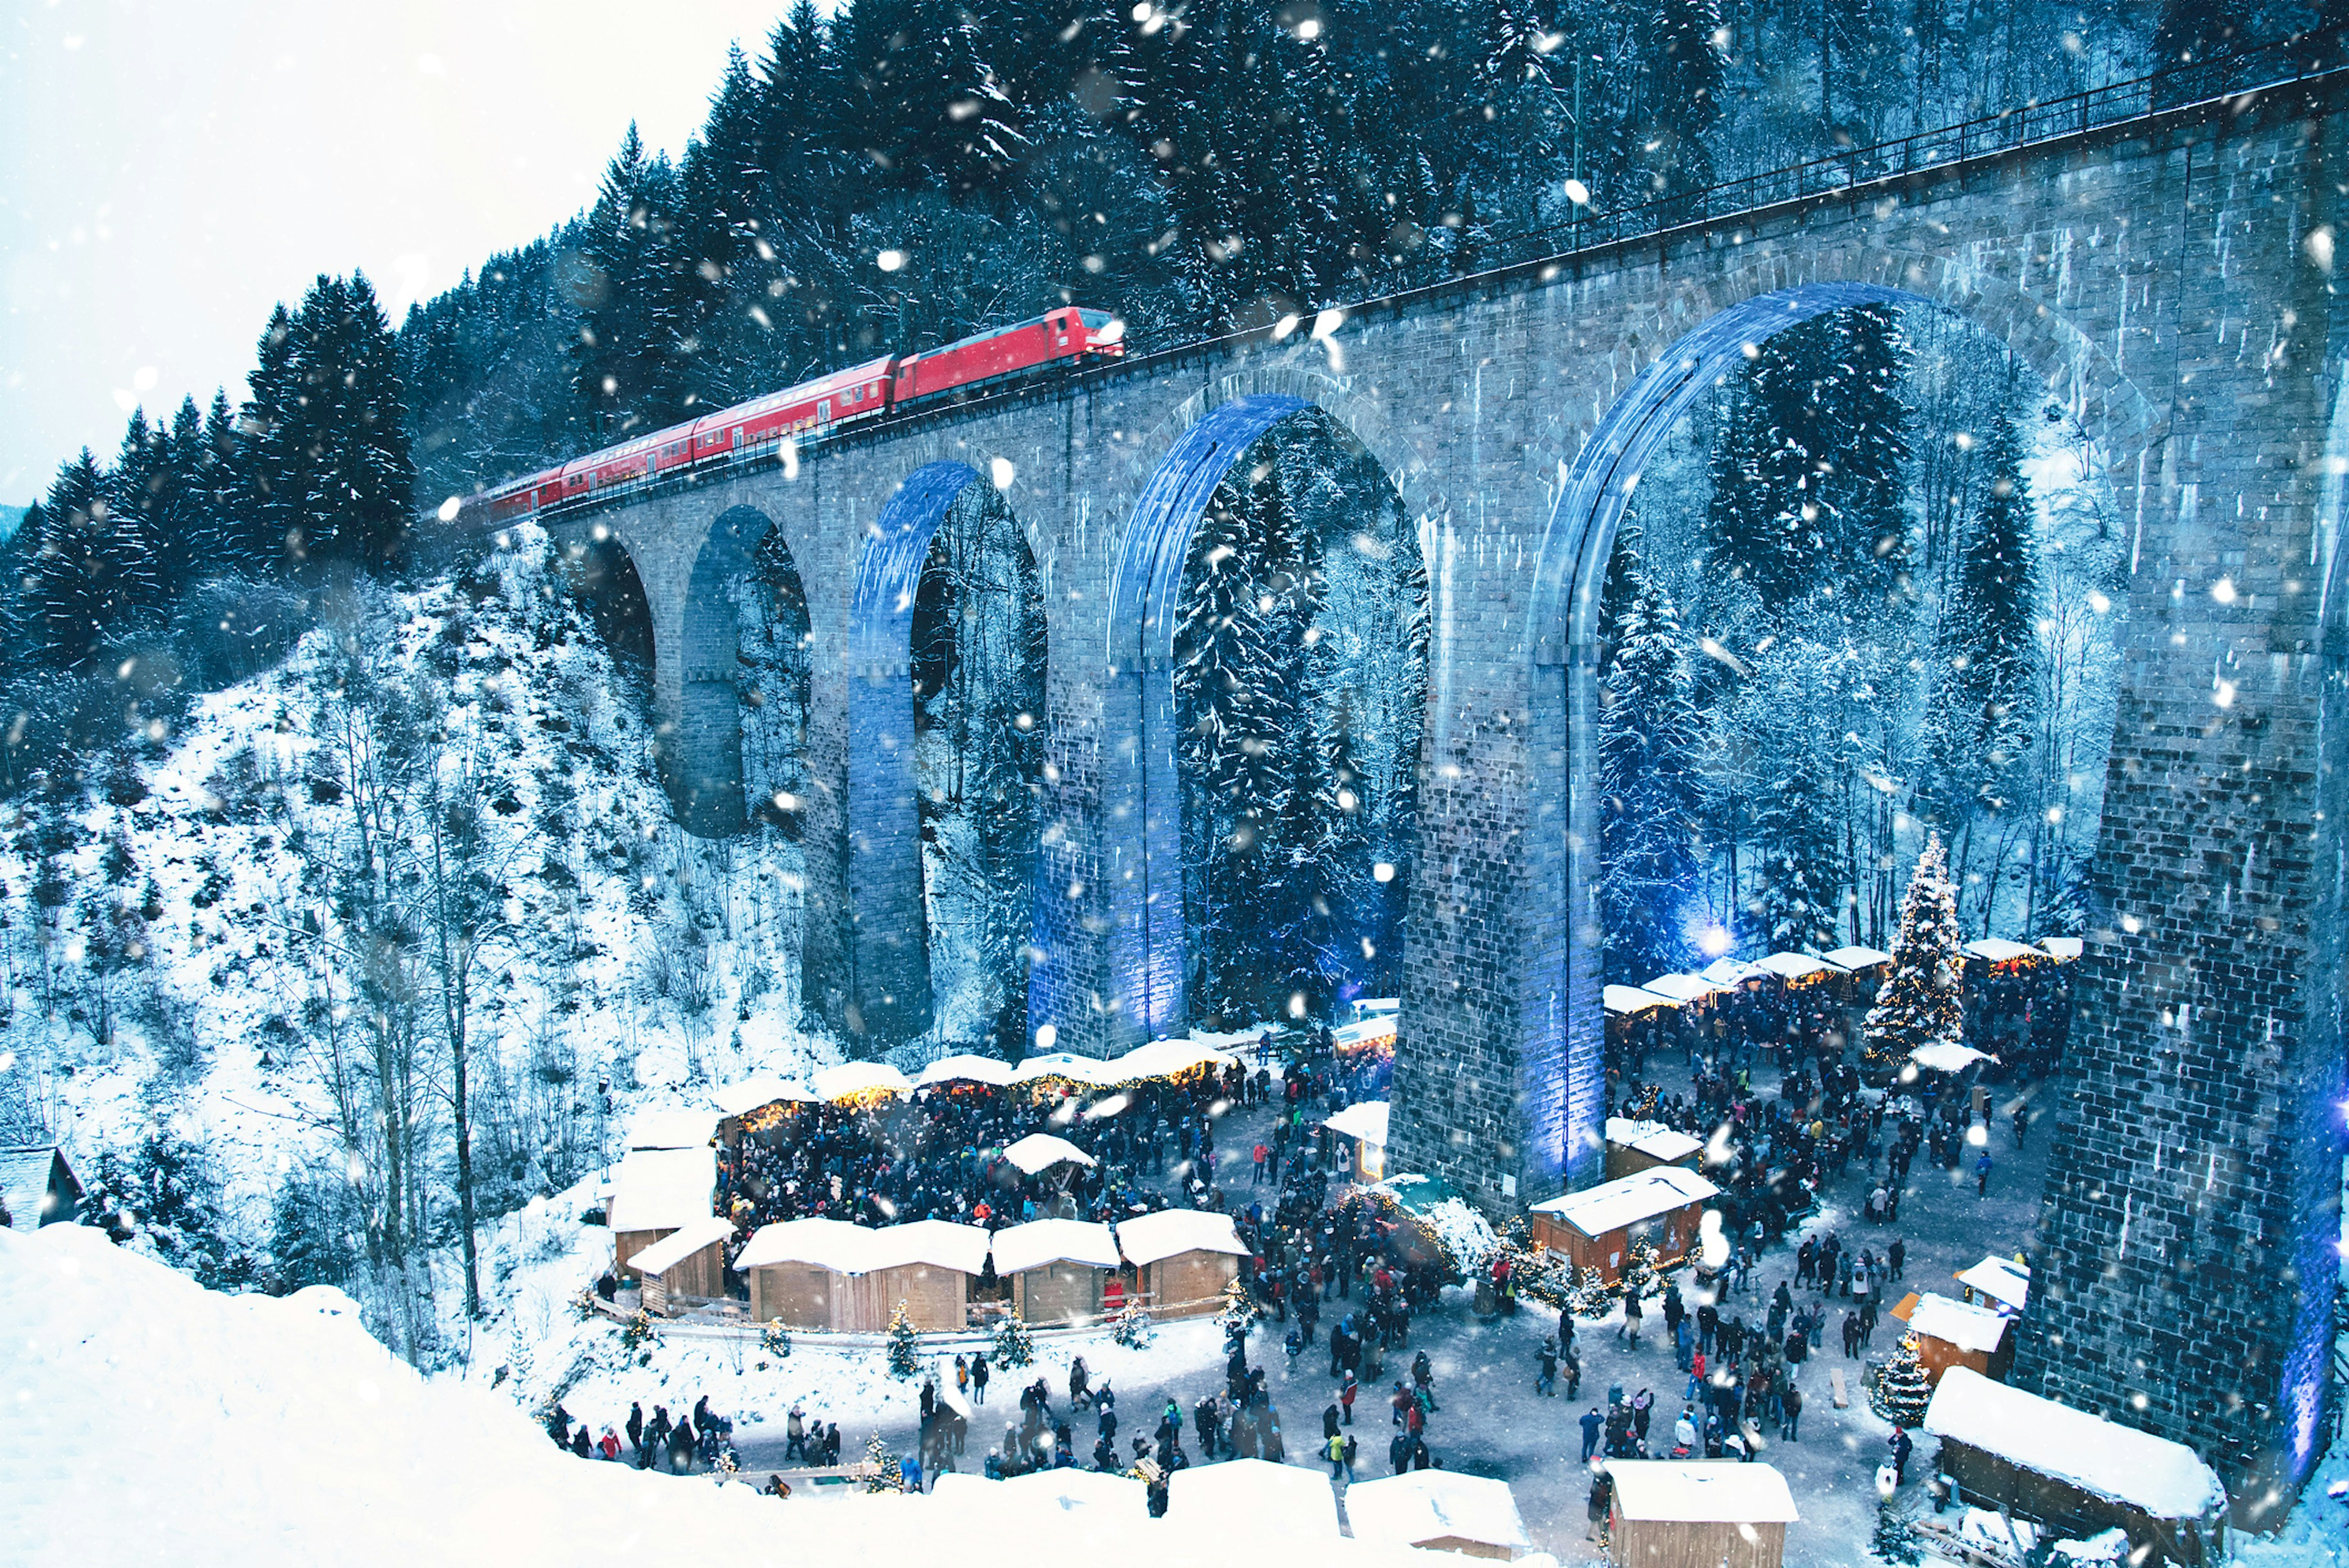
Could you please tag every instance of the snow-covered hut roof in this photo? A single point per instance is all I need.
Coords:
(1058, 1064)
(2001, 1279)
(1999, 950)
(851, 1079)
(671, 1130)
(2153, 1475)
(760, 1089)
(1628, 1199)
(843, 1248)
(1946, 1057)
(1652, 1139)
(942, 1244)
(1436, 1505)
(681, 1244)
(1041, 1151)
(1162, 1059)
(1147, 1238)
(1792, 965)
(2063, 948)
(1683, 987)
(25, 1185)
(662, 1189)
(1040, 1241)
(1254, 1500)
(1854, 958)
(965, 1069)
(1727, 972)
(1662, 1490)
(1625, 999)
(1362, 1031)
(1954, 1322)
(1366, 1121)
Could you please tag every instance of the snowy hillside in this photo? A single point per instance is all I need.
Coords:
(236, 941)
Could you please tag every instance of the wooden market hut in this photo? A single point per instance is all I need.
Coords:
(2002, 1282)
(1949, 1333)
(1634, 1146)
(672, 1130)
(1440, 1510)
(1795, 971)
(1862, 972)
(38, 1187)
(1595, 1227)
(1185, 1258)
(1698, 1515)
(2063, 949)
(830, 1277)
(1363, 1126)
(2075, 1473)
(654, 1193)
(756, 1104)
(685, 1268)
(1056, 1269)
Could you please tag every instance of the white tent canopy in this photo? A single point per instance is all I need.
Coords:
(2153, 1475)
(1626, 999)
(965, 1069)
(1436, 1505)
(1145, 1239)
(1041, 1151)
(851, 1079)
(1683, 987)
(1018, 1248)
(1254, 1500)
(1366, 1121)
(1628, 1199)
(681, 1244)
(661, 1190)
(1947, 1057)
(1696, 1493)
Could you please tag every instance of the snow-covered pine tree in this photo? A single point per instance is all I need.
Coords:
(883, 1474)
(625, 367)
(1920, 1002)
(1678, 98)
(1650, 794)
(87, 570)
(1785, 727)
(906, 1346)
(1901, 1392)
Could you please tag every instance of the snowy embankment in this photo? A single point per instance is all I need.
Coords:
(157, 1421)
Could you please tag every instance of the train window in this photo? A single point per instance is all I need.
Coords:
(738, 438)
(823, 411)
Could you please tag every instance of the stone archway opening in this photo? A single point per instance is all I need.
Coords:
(597, 570)
(774, 637)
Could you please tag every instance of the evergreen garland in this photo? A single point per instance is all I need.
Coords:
(1920, 1002)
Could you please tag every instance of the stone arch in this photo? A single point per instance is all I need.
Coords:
(599, 568)
(706, 774)
(1564, 1117)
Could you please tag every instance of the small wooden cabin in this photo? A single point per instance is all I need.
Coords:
(1056, 1269)
(1187, 1257)
(1596, 1228)
(656, 1191)
(1440, 1510)
(1363, 1129)
(1860, 974)
(1949, 1333)
(685, 1268)
(2075, 1473)
(1698, 1515)
(38, 1187)
(1636, 1146)
(830, 1277)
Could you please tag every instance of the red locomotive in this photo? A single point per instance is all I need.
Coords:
(859, 392)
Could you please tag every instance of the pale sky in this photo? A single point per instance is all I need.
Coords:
(170, 168)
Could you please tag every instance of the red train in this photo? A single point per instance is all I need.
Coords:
(859, 392)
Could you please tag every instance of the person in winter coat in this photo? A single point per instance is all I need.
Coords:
(979, 1376)
(1684, 1434)
(1982, 1175)
(1601, 1503)
(579, 1443)
(636, 1427)
(1545, 1369)
(558, 1427)
(1593, 1424)
(680, 1449)
(1791, 1404)
(1902, 1446)
(1079, 1384)
(609, 1445)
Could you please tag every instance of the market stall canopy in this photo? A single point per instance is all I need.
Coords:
(1040, 1241)
(762, 1090)
(852, 1079)
(1725, 973)
(1363, 1031)
(1947, 1057)
(2153, 1475)
(1683, 987)
(1254, 1500)
(681, 1244)
(662, 1190)
(1147, 1238)
(1367, 1121)
(1667, 1145)
(965, 1069)
(1951, 1320)
(2003, 1280)
(1163, 1059)
(2063, 949)
(1792, 965)
(1999, 950)
(1664, 1492)
(1856, 958)
(1041, 1151)
(1627, 999)
(671, 1130)
(1626, 1200)
(1436, 1505)
(1060, 1065)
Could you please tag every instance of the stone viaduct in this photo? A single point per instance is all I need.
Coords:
(2170, 279)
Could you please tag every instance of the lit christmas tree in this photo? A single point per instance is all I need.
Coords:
(1901, 1392)
(1919, 1003)
(1240, 1313)
(1130, 1327)
(906, 1345)
(885, 1476)
(1639, 1275)
(1593, 1298)
(1013, 1347)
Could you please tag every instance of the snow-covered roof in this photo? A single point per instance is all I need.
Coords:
(1147, 1238)
(1633, 999)
(1955, 1322)
(1041, 1151)
(1662, 1490)
(1856, 957)
(672, 1130)
(662, 1189)
(1946, 1057)
(1652, 1139)
(943, 1243)
(681, 1244)
(1999, 950)
(1040, 1241)
(1628, 1199)
(1251, 1500)
(25, 1185)
(2062, 947)
(760, 1090)
(2150, 1474)
(1362, 1031)
(1070, 1490)
(1366, 1121)
(1436, 1505)
(1725, 971)
(843, 1248)
(1161, 1058)
(851, 1079)
(965, 1069)
(1683, 987)
(2001, 1279)
(1058, 1064)
(1792, 965)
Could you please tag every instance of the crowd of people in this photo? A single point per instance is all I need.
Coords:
(701, 1441)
